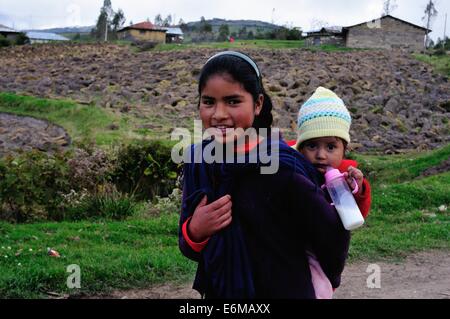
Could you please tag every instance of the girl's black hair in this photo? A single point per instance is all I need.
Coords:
(242, 72)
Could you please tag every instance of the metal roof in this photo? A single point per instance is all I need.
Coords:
(173, 31)
(324, 30)
(4, 28)
(45, 36)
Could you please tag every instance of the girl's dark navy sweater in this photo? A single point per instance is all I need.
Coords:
(279, 218)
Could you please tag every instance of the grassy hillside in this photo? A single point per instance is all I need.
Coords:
(440, 63)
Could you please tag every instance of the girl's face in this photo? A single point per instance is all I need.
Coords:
(225, 106)
(323, 152)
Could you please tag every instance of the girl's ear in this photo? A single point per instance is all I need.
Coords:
(259, 104)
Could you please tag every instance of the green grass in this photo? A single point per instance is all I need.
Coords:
(405, 215)
(84, 123)
(254, 44)
(394, 169)
(247, 44)
(117, 255)
(440, 63)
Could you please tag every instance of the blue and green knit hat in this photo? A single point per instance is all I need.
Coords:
(323, 115)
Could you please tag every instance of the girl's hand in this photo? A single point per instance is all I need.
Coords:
(357, 175)
(207, 220)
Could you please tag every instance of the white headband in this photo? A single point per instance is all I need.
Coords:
(239, 55)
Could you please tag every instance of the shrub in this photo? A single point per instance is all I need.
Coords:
(84, 183)
(22, 39)
(89, 168)
(30, 186)
(4, 42)
(167, 205)
(440, 52)
(145, 170)
(107, 203)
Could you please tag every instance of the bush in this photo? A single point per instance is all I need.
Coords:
(84, 183)
(105, 204)
(4, 42)
(22, 39)
(89, 168)
(167, 205)
(30, 186)
(440, 52)
(145, 170)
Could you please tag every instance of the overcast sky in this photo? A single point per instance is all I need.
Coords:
(31, 14)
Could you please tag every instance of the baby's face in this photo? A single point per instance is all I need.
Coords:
(323, 152)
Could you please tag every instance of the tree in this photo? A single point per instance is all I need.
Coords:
(243, 33)
(317, 24)
(388, 7)
(158, 20)
(103, 26)
(183, 26)
(119, 20)
(430, 14)
(224, 32)
(294, 34)
(167, 21)
(205, 27)
(22, 39)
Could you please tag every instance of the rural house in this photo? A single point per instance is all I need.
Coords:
(387, 32)
(326, 35)
(143, 32)
(8, 33)
(173, 35)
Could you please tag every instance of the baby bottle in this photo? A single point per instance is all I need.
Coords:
(343, 199)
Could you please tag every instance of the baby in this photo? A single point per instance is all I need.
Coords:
(323, 136)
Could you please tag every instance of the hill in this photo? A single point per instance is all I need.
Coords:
(86, 29)
(397, 103)
(236, 25)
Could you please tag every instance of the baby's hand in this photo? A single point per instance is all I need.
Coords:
(354, 173)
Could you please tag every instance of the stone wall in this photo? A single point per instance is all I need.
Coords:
(324, 39)
(387, 34)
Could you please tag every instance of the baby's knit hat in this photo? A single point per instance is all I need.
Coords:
(324, 114)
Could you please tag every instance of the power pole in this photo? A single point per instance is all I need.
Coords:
(106, 30)
(445, 32)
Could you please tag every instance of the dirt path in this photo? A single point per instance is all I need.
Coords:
(425, 275)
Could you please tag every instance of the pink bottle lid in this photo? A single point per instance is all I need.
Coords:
(333, 173)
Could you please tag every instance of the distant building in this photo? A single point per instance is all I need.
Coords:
(143, 32)
(8, 33)
(174, 35)
(326, 35)
(387, 32)
(44, 37)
